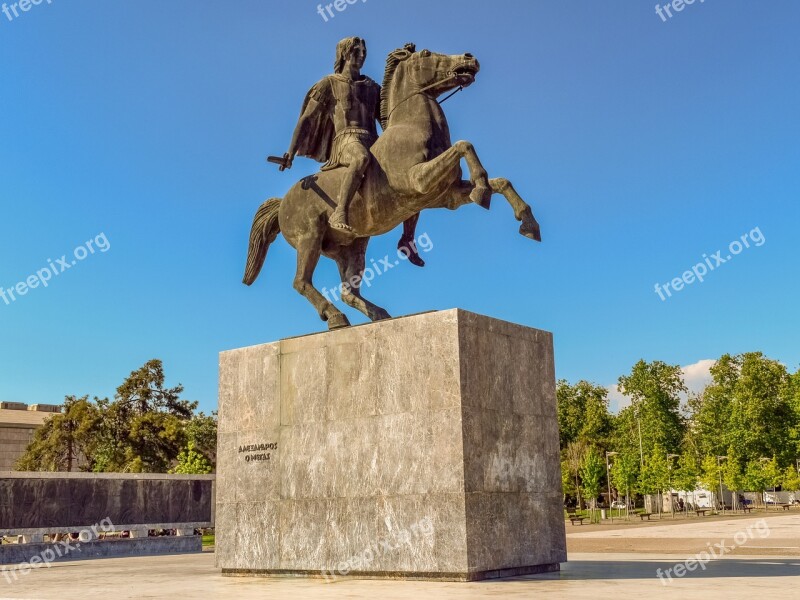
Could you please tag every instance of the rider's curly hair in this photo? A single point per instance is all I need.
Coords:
(343, 50)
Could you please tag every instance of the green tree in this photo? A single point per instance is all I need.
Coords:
(624, 472)
(654, 476)
(583, 413)
(709, 416)
(591, 476)
(790, 479)
(655, 391)
(733, 471)
(793, 395)
(684, 476)
(753, 409)
(191, 462)
(710, 472)
(202, 431)
(572, 462)
(143, 392)
(144, 428)
(755, 478)
(772, 473)
(66, 441)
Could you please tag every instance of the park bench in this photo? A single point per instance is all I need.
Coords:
(701, 512)
(645, 515)
(574, 518)
(747, 509)
(785, 506)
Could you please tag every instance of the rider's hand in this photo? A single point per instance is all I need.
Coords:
(288, 158)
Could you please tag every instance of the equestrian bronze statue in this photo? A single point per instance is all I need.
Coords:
(368, 187)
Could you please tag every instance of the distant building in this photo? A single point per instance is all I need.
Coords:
(18, 422)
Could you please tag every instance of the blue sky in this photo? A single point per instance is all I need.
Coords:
(641, 145)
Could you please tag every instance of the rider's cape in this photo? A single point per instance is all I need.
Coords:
(317, 140)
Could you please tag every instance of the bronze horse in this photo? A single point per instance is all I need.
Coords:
(415, 166)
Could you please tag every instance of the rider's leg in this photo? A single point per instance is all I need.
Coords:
(355, 159)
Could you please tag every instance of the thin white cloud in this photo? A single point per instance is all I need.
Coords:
(696, 377)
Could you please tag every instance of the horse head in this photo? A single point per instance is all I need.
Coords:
(409, 73)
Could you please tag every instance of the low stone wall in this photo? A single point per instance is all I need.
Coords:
(18, 557)
(32, 503)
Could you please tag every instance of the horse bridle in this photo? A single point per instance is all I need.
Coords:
(451, 75)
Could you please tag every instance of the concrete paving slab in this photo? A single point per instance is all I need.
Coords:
(773, 573)
(585, 576)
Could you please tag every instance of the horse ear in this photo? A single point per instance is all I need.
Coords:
(410, 47)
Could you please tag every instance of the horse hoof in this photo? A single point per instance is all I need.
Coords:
(531, 230)
(530, 226)
(482, 196)
(338, 321)
(381, 315)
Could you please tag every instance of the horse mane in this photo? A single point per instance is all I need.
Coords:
(392, 62)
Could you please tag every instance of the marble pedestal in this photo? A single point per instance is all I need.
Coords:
(421, 447)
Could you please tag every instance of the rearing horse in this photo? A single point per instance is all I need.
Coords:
(415, 166)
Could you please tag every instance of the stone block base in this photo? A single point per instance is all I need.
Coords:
(407, 576)
(421, 447)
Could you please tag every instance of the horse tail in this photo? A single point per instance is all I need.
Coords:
(264, 231)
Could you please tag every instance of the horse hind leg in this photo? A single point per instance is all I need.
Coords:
(351, 263)
(309, 250)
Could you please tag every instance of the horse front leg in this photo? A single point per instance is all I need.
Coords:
(426, 176)
(462, 192)
(522, 210)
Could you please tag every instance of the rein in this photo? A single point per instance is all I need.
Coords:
(434, 84)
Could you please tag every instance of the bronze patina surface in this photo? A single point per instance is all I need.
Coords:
(370, 184)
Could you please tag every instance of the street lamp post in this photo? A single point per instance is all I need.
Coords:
(669, 465)
(608, 478)
(719, 471)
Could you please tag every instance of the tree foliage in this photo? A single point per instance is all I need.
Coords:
(191, 462)
(583, 413)
(655, 391)
(592, 471)
(143, 430)
(66, 439)
(750, 411)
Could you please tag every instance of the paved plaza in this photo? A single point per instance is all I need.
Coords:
(774, 571)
